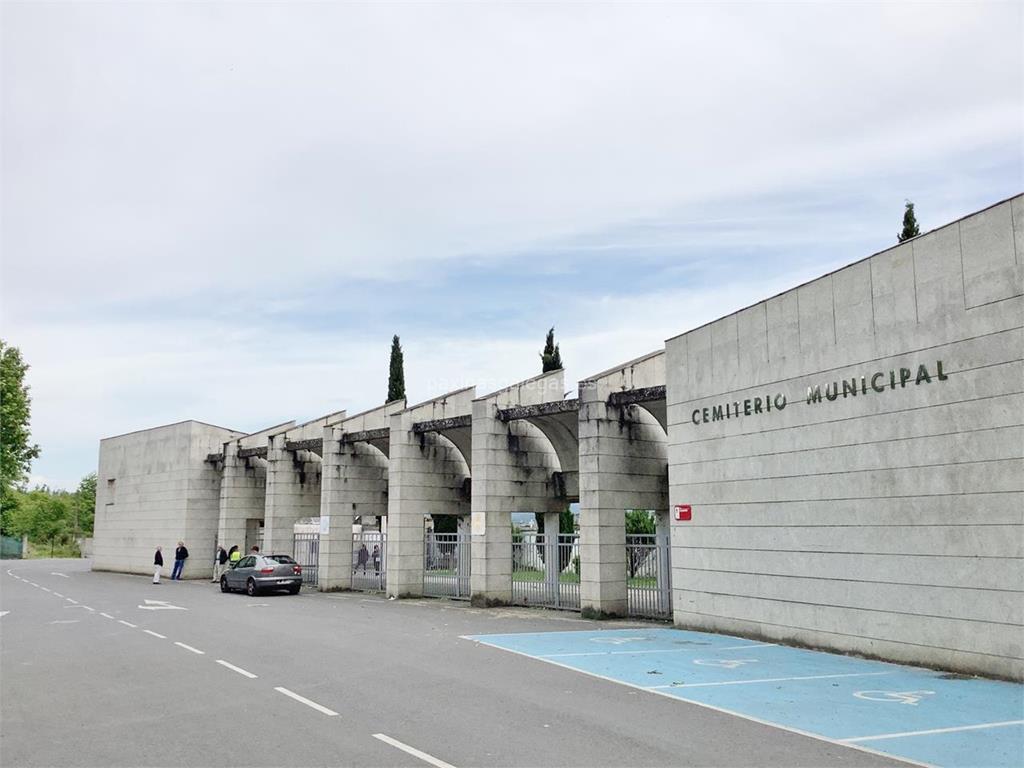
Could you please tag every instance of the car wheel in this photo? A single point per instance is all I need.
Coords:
(250, 588)
(224, 584)
(293, 590)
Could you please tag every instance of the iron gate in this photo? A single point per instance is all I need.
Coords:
(648, 575)
(306, 552)
(446, 565)
(369, 561)
(546, 570)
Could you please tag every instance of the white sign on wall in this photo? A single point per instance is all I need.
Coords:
(325, 524)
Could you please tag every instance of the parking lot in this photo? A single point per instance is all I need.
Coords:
(907, 712)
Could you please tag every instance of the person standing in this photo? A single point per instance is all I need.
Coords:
(220, 564)
(180, 556)
(234, 555)
(158, 563)
(362, 558)
(376, 558)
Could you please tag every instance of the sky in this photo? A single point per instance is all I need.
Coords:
(224, 211)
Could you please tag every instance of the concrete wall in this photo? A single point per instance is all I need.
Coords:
(243, 497)
(155, 487)
(426, 476)
(623, 465)
(885, 523)
(513, 464)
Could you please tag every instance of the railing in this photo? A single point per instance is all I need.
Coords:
(306, 552)
(369, 561)
(546, 570)
(648, 586)
(446, 565)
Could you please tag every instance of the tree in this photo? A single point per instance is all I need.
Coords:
(396, 376)
(84, 505)
(639, 521)
(910, 228)
(551, 358)
(16, 448)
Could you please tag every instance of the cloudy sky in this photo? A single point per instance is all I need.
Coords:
(223, 211)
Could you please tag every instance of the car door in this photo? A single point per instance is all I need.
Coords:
(241, 572)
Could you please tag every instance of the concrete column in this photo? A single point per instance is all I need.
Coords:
(293, 492)
(623, 465)
(513, 464)
(463, 565)
(243, 489)
(426, 475)
(663, 536)
(335, 563)
(354, 484)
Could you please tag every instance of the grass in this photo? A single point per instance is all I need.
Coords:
(535, 575)
(41, 551)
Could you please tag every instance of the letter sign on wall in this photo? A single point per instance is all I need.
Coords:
(683, 512)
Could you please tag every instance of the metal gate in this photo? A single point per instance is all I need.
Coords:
(546, 570)
(446, 565)
(648, 575)
(306, 552)
(369, 561)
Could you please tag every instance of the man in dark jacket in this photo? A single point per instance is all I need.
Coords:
(180, 556)
(220, 563)
(158, 563)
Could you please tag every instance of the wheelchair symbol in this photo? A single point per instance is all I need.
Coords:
(898, 697)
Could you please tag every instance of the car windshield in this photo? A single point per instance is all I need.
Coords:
(283, 559)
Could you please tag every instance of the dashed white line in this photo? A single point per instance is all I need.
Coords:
(770, 680)
(239, 670)
(189, 648)
(75, 602)
(155, 634)
(307, 702)
(89, 609)
(933, 730)
(126, 623)
(106, 615)
(412, 751)
(57, 594)
(46, 589)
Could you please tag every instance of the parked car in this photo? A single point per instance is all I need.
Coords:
(261, 573)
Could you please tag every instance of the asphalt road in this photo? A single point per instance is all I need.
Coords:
(92, 677)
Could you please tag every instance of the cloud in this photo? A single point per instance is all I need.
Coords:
(223, 211)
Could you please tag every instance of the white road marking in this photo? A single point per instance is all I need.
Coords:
(58, 594)
(160, 605)
(743, 647)
(4, 613)
(127, 624)
(189, 648)
(33, 584)
(656, 650)
(239, 670)
(155, 634)
(770, 680)
(933, 730)
(75, 602)
(257, 605)
(724, 663)
(712, 707)
(106, 615)
(46, 589)
(65, 621)
(888, 697)
(307, 702)
(62, 575)
(412, 751)
(88, 608)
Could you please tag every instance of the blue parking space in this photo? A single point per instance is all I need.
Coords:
(908, 712)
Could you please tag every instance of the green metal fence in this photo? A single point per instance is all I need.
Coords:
(10, 548)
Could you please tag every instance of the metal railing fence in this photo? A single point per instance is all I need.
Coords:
(369, 561)
(648, 587)
(546, 570)
(446, 565)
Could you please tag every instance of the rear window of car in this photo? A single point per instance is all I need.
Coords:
(283, 559)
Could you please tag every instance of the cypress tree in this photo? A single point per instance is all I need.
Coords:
(551, 358)
(396, 376)
(910, 228)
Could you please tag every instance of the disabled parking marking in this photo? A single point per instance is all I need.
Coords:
(724, 663)
(902, 697)
(960, 722)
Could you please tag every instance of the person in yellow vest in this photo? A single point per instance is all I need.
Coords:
(234, 555)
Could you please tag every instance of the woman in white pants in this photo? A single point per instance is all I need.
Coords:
(158, 563)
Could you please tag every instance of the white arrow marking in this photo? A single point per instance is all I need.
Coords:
(160, 605)
(4, 613)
